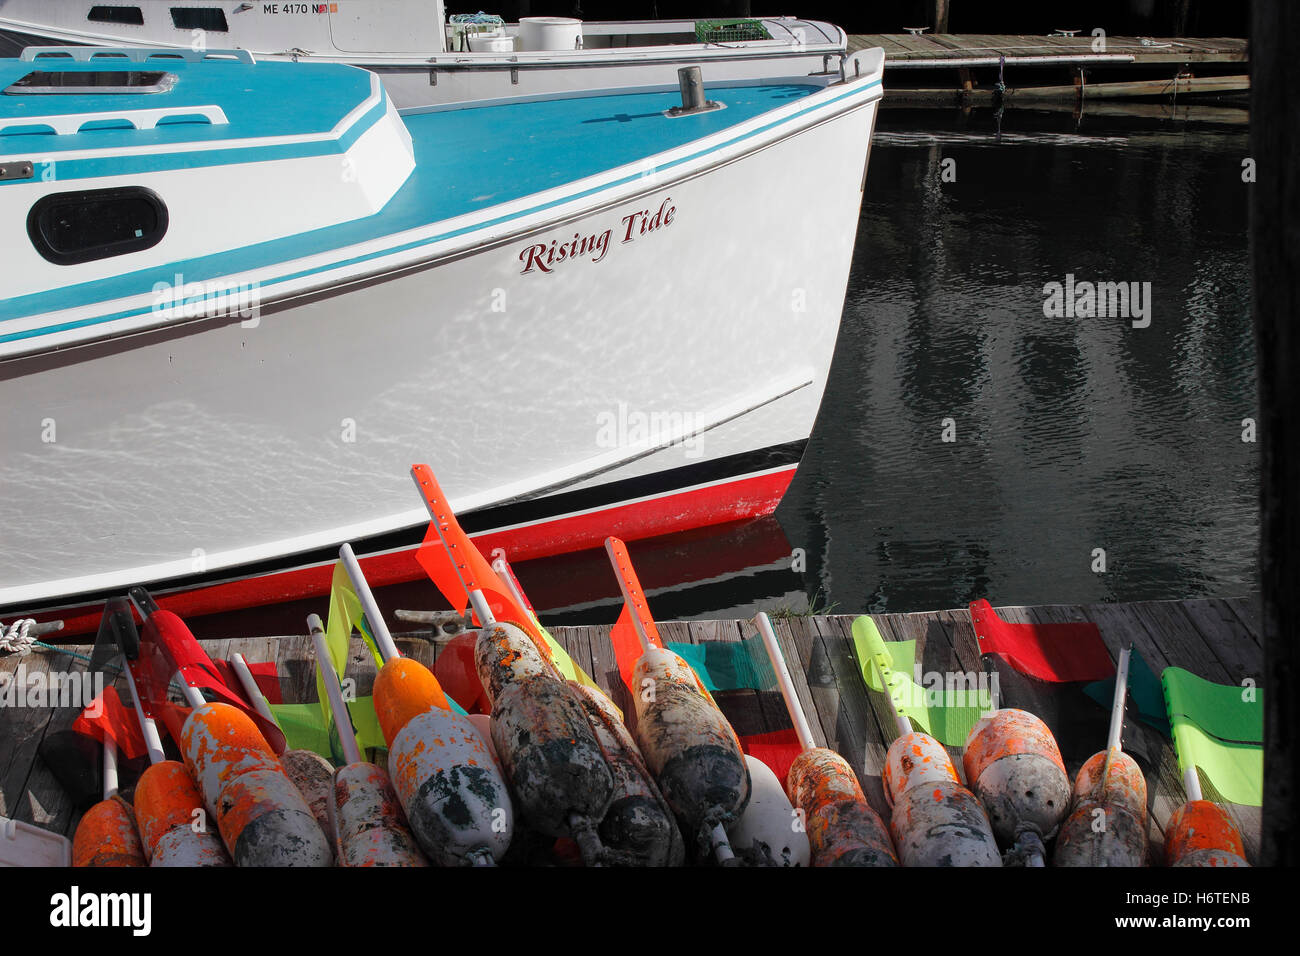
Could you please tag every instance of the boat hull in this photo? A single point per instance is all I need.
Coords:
(701, 337)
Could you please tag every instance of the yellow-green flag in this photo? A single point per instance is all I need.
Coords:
(946, 712)
(345, 613)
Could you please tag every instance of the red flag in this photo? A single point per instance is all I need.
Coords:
(1050, 652)
(265, 676)
(107, 715)
(166, 648)
(778, 749)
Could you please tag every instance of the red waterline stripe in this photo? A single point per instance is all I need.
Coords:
(750, 497)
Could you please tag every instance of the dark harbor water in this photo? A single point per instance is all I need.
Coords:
(1070, 434)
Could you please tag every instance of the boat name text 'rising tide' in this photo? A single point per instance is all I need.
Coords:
(545, 256)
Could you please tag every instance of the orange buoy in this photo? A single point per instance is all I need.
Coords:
(442, 770)
(107, 836)
(1200, 833)
(1014, 766)
(262, 818)
(1107, 824)
(173, 822)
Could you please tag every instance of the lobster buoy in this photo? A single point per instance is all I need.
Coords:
(556, 767)
(173, 821)
(688, 746)
(769, 832)
(107, 836)
(1200, 833)
(313, 775)
(262, 818)
(935, 820)
(446, 780)
(843, 830)
(638, 828)
(1014, 766)
(1108, 824)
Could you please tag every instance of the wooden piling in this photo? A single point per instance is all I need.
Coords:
(1275, 304)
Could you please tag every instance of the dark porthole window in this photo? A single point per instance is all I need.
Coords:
(200, 18)
(132, 15)
(67, 228)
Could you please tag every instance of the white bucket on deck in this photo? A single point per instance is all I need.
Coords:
(491, 43)
(550, 33)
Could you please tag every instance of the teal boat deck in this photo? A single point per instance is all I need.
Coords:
(1216, 639)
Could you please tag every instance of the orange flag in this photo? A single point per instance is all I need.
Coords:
(455, 565)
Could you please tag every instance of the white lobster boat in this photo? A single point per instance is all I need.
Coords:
(241, 298)
(426, 59)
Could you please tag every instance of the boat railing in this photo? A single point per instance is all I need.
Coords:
(70, 123)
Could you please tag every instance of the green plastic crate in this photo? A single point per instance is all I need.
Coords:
(730, 31)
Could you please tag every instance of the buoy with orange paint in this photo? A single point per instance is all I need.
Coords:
(1200, 832)
(366, 817)
(935, 821)
(169, 811)
(841, 827)
(311, 773)
(687, 743)
(1107, 825)
(262, 818)
(1014, 766)
(107, 834)
(453, 792)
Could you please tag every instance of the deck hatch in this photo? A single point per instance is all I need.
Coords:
(72, 227)
(93, 81)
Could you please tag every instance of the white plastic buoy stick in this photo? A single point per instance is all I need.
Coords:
(110, 767)
(330, 678)
(387, 649)
(254, 693)
(783, 679)
(152, 741)
(631, 588)
(502, 568)
(1117, 705)
(1192, 784)
(886, 681)
(721, 844)
(481, 610)
(193, 696)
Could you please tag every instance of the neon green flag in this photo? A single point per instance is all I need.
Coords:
(944, 710)
(304, 729)
(1220, 729)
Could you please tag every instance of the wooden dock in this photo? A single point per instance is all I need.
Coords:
(1216, 639)
(989, 70)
